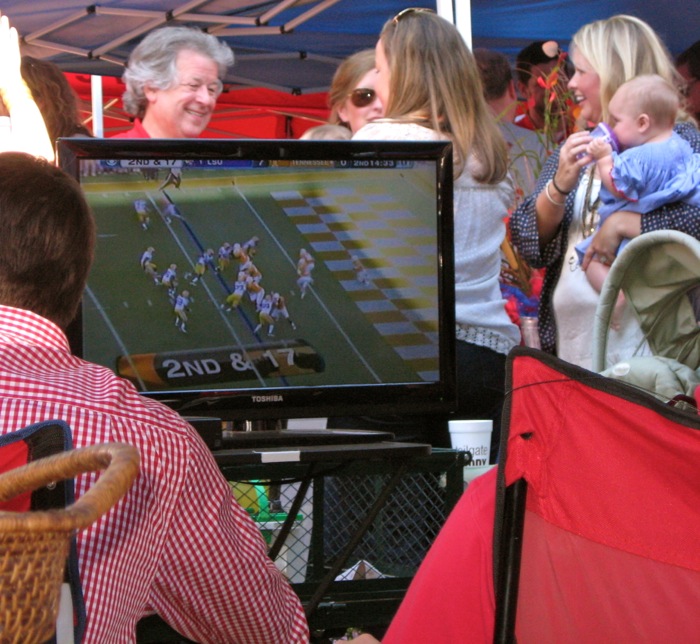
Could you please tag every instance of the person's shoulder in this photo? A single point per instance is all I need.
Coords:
(137, 131)
(689, 131)
(390, 129)
(117, 397)
(678, 146)
(521, 138)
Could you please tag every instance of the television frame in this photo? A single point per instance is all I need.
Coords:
(329, 399)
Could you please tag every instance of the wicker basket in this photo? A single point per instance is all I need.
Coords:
(34, 545)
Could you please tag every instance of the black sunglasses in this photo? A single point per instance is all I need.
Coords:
(362, 96)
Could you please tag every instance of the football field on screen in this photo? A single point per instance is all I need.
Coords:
(382, 330)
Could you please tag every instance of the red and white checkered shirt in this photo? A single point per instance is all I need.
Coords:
(178, 544)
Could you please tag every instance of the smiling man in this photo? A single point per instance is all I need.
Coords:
(173, 79)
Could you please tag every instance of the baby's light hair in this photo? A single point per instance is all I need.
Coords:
(655, 96)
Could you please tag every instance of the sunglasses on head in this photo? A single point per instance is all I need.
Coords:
(406, 12)
(362, 96)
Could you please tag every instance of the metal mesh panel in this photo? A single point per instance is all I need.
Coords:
(400, 536)
(394, 543)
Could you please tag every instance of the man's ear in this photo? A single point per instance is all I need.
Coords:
(150, 93)
(511, 90)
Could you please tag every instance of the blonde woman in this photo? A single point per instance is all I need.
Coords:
(563, 209)
(430, 87)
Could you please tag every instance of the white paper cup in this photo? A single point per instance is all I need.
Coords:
(473, 436)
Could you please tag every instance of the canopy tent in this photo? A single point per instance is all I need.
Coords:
(288, 49)
(287, 45)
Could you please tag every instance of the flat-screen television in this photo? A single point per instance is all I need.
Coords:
(249, 279)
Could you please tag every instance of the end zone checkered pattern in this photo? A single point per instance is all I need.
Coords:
(398, 252)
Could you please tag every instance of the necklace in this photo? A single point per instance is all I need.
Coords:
(589, 210)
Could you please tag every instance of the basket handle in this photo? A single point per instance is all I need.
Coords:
(118, 461)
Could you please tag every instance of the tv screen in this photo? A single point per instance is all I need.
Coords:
(253, 279)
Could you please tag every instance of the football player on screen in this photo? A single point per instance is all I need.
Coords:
(305, 266)
(181, 308)
(169, 280)
(265, 315)
(279, 309)
(148, 265)
(240, 286)
(142, 213)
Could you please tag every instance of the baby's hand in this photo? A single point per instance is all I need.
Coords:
(599, 148)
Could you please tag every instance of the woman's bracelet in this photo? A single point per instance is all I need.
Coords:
(549, 196)
(558, 189)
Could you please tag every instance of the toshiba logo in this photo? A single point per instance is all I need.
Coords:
(265, 399)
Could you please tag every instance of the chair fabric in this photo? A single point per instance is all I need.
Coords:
(27, 445)
(597, 534)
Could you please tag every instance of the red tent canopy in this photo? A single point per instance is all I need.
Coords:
(256, 113)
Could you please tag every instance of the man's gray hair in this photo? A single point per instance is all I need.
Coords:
(153, 62)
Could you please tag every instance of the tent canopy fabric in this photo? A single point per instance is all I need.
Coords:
(295, 45)
(288, 45)
(510, 25)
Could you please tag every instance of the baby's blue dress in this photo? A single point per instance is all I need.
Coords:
(650, 176)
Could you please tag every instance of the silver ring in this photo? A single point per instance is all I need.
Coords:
(603, 259)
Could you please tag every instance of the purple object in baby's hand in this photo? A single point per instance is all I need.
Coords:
(605, 132)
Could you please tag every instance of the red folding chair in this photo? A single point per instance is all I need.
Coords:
(597, 533)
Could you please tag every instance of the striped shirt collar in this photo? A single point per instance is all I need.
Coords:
(19, 326)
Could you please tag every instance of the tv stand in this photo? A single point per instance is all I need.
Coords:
(261, 425)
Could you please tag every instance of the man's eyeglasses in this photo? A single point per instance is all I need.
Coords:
(410, 10)
(362, 96)
(213, 89)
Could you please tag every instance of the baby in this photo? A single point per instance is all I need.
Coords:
(655, 165)
(326, 132)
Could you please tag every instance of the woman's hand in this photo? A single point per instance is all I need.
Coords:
(573, 156)
(618, 226)
(551, 201)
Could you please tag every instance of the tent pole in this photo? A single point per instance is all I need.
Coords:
(459, 14)
(97, 115)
